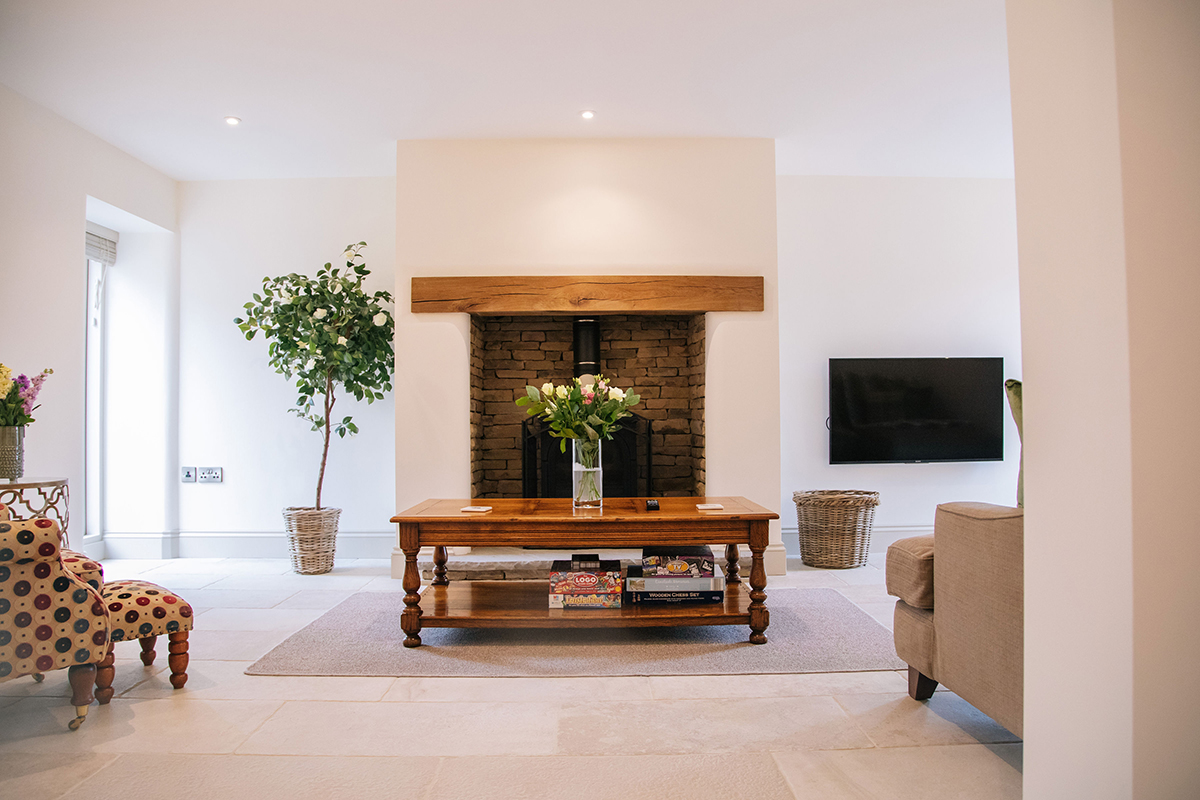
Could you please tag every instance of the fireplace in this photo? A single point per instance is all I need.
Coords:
(627, 460)
(661, 357)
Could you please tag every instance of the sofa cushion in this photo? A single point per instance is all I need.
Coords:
(910, 571)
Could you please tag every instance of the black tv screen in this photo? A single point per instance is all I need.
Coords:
(909, 410)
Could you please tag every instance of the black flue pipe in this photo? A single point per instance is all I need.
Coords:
(587, 346)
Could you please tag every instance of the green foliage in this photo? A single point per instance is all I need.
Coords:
(576, 411)
(325, 332)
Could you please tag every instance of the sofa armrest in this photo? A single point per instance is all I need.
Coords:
(28, 541)
(979, 619)
(909, 570)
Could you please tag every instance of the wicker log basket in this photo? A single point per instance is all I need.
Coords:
(835, 527)
(312, 536)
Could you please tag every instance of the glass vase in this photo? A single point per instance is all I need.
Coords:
(587, 476)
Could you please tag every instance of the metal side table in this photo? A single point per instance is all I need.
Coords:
(38, 497)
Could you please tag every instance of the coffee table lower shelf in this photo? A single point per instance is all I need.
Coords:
(524, 604)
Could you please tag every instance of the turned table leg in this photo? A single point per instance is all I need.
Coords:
(104, 676)
(177, 658)
(731, 564)
(760, 618)
(148, 653)
(439, 567)
(82, 678)
(410, 618)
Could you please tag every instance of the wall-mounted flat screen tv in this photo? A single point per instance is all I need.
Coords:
(910, 410)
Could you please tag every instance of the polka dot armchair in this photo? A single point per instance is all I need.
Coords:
(49, 617)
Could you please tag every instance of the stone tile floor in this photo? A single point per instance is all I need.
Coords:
(829, 736)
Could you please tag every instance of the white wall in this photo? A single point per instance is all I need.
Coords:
(233, 406)
(48, 168)
(141, 314)
(1158, 85)
(1079, 590)
(604, 206)
(892, 268)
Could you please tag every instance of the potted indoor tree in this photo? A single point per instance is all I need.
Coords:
(327, 334)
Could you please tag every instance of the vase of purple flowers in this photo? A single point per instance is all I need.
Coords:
(17, 403)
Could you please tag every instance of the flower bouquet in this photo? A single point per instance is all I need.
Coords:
(17, 399)
(587, 414)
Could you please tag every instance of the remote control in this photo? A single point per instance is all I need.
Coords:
(652, 505)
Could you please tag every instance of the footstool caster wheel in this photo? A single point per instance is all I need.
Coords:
(81, 712)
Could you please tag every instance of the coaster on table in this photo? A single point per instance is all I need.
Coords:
(709, 507)
(476, 508)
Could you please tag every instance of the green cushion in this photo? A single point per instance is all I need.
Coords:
(1013, 390)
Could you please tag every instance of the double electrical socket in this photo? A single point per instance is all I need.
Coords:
(206, 474)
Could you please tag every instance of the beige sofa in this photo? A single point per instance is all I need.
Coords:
(965, 629)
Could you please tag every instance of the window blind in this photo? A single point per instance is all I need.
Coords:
(101, 249)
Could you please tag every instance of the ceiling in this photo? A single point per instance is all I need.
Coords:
(846, 87)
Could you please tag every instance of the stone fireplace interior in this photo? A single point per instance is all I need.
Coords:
(660, 356)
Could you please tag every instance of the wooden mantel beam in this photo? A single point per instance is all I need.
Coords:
(587, 294)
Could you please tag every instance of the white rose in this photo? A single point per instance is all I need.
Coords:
(380, 318)
(561, 392)
(547, 389)
(615, 394)
(320, 313)
(341, 340)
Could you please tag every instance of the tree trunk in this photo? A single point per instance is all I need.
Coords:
(329, 401)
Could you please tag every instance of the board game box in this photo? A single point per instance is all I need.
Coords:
(636, 581)
(694, 561)
(661, 598)
(585, 582)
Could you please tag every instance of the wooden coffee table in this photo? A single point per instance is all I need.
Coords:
(552, 523)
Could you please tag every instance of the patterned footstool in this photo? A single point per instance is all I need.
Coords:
(144, 611)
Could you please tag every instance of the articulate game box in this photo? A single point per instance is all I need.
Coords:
(585, 582)
(636, 581)
(680, 561)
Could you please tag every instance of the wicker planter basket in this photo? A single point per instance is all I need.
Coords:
(835, 527)
(312, 536)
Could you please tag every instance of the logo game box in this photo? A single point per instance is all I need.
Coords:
(585, 582)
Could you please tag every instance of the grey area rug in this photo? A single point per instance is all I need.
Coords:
(811, 630)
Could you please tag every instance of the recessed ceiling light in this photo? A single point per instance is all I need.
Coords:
(232, 120)
(588, 114)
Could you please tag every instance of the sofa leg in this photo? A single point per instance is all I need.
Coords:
(920, 687)
(82, 678)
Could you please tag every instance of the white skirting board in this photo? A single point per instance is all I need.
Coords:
(881, 536)
(220, 544)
